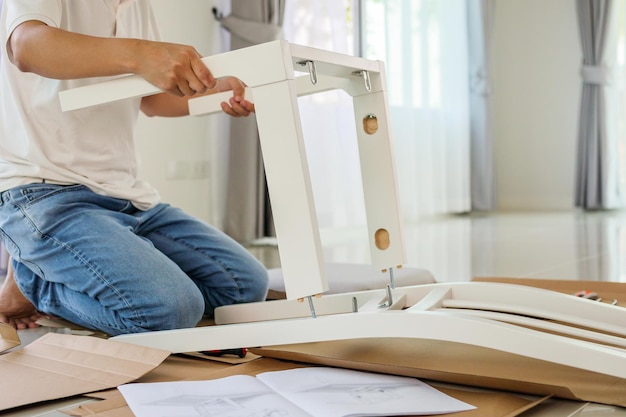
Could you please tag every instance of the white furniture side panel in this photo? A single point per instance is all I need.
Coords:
(380, 189)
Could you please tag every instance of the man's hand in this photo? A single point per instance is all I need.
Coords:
(237, 106)
(176, 69)
(168, 105)
(179, 70)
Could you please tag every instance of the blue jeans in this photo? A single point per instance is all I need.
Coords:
(103, 264)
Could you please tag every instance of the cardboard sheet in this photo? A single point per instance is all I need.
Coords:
(8, 337)
(58, 366)
(458, 364)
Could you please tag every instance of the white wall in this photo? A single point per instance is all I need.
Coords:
(188, 142)
(536, 95)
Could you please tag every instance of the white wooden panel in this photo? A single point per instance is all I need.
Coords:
(277, 64)
(507, 299)
(332, 63)
(211, 104)
(394, 324)
(129, 86)
(244, 64)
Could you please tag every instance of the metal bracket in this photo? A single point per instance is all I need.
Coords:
(311, 68)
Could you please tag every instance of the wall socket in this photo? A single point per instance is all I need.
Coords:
(187, 170)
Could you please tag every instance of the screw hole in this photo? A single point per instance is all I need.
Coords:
(370, 124)
(381, 239)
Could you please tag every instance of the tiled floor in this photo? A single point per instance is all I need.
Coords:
(561, 245)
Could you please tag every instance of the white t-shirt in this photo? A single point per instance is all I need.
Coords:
(93, 146)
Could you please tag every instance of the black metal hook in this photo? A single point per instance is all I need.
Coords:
(217, 14)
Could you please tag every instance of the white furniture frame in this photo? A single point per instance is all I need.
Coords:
(530, 322)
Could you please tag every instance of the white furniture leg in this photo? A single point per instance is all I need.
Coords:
(289, 186)
(378, 174)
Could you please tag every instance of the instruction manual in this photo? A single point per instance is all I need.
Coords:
(302, 392)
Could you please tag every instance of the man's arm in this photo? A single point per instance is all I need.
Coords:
(176, 69)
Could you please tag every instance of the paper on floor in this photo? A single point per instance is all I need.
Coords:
(323, 392)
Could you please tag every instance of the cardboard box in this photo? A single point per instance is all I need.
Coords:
(59, 366)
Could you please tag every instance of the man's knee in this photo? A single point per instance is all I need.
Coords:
(253, 282)
(175, 311)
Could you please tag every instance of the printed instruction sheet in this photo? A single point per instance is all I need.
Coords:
(302, 392)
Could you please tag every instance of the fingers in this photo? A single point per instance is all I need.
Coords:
(195, 79)
(203, 76)
(233, 84)
(174, 68)
(237, 107)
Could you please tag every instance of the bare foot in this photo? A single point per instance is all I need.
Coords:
(15, 309)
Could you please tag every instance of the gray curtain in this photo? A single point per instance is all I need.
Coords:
(592, 168)
(480, 26)
(248, 214)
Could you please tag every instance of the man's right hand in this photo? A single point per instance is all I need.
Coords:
(176, 69)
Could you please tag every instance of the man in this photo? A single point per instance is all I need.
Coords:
(89, 241)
